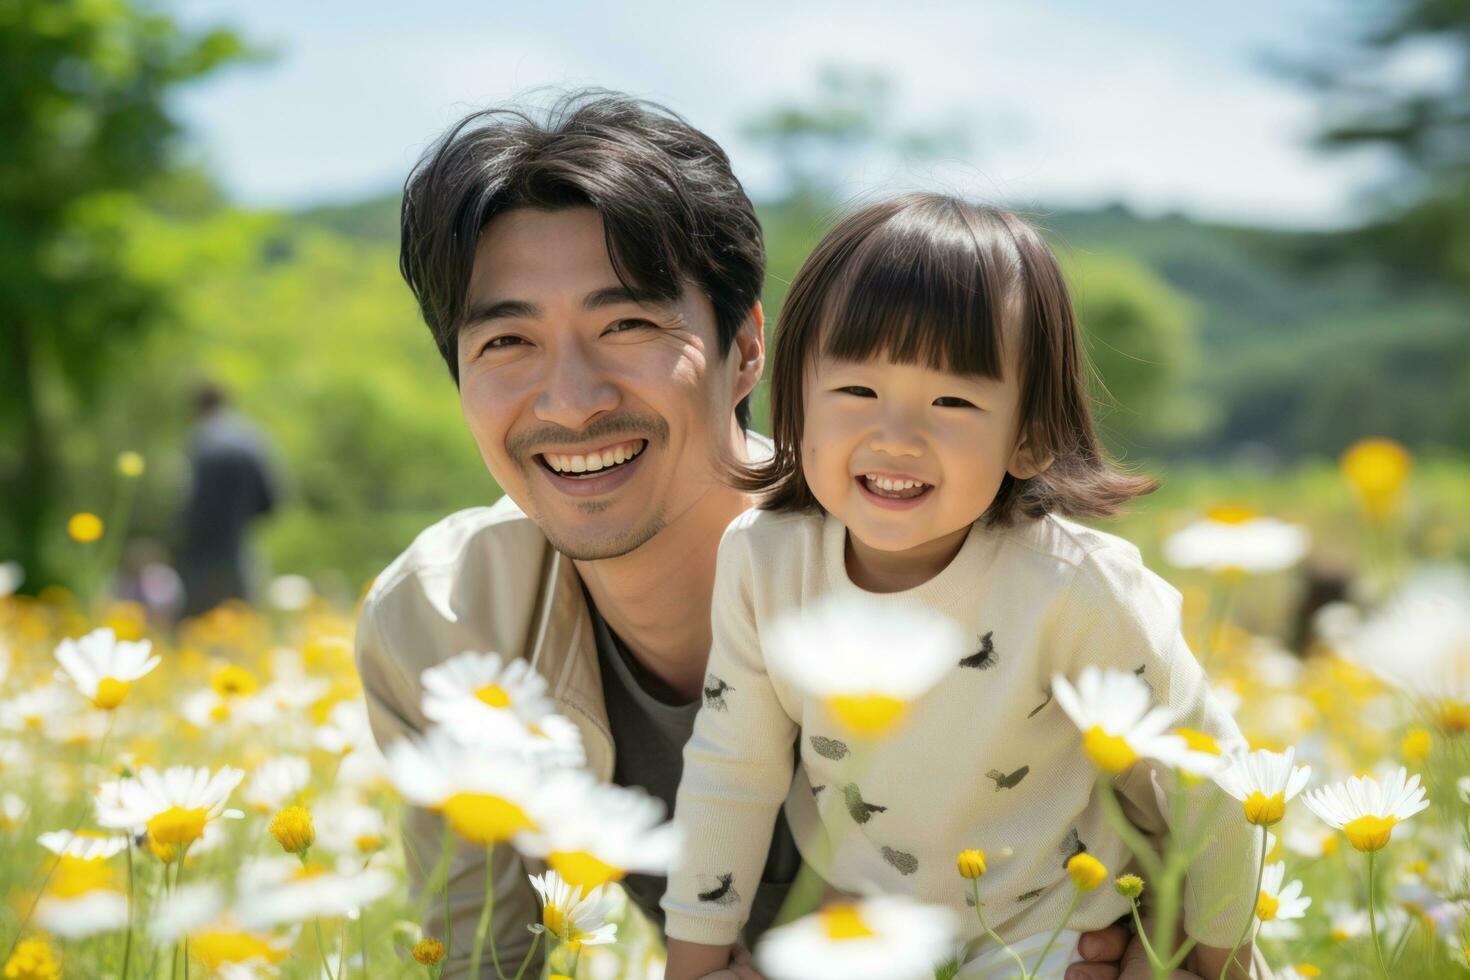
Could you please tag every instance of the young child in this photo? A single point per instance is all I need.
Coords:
(931, 427)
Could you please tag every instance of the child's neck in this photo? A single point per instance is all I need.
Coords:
(896, 571)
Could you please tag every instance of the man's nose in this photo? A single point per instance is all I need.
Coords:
(576, 390)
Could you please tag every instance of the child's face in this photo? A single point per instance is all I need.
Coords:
(954, 435)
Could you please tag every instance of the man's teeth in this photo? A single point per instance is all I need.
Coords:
(590, 462)
(884, 483)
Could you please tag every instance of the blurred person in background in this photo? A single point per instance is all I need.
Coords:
(232, 482)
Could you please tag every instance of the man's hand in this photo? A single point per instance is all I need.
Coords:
(1115, 954)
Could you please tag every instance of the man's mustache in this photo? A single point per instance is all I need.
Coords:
(626, 425)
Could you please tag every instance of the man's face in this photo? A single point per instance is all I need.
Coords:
(904, 455)
(598, 414)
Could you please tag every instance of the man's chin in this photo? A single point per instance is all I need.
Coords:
(600, 544)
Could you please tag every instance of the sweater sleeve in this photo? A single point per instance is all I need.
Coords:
(737, 769)
(1124, 616)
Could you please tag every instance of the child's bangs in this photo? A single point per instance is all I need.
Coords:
(918, 297)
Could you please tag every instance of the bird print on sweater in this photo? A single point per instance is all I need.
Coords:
(984, 658)
(723, 892)
(1011, 781)
(714, 693)
(861, 812)
(1033, 712)
(828, 748)
(905, 862)
(1071, 846)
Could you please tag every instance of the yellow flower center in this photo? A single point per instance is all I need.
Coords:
(1263, 810)
(554, 919)
(1110, 753)
(1454, 717)
(485, 819)
(1329, 845)
(110, 693)
(308, 871)
(868, 715)
(32, 960)
(1308, 970)
(428, 951)
(1416, 744)
(842, 922)
(368, 842)
(1198, 741)
(494, 695)
(1267, 907)
(293, 829)
(1369, 833)
(214, 949)
(582, 869)
(971, 863)
(1086, 871)
(74, 877)
(1231, 514)
(177, 825)
(1377, 469)
(233, 681)
(84, 528)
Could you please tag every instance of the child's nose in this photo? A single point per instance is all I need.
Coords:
(897, 437)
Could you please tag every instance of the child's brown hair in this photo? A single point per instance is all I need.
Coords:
(934, 280)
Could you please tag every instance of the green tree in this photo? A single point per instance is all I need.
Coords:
(85, 135)
(1401, 82)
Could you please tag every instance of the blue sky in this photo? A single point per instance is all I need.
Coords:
(1164, 106)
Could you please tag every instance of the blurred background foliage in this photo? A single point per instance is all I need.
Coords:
(1237, 361)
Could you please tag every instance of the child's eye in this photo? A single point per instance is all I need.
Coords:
(859, 390)
(950, 401)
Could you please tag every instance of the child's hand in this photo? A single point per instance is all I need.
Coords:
(741, 967)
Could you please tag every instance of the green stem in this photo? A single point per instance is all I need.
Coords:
(1373, 919)
(1137, 843)
(1076, 897)
(1143, 935)
(975, 882)
(1251, 918)
(128, 941)
(487, 912)
(321, 948)
(446, 858)
(526, 961)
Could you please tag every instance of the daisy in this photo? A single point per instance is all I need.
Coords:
(83, 845)
(476, 692)
(346, 827)
(39, 709)
(1237, 540)
(216, 938)
(1112, 709)
(488, 798)
(1276, 903)
(1419, 642)
(80, 900)
(575, 918)
(602, 832)
(102, 667)
(867, 662)
(173, 806)
(1365, 809)
(1263, 781)
(283, 890)
(882, 938)
(276, 782)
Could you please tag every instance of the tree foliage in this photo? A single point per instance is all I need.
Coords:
(85, 135)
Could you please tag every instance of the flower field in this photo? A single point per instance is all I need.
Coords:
(208, 801)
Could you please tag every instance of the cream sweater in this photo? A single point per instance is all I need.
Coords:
(986, 759)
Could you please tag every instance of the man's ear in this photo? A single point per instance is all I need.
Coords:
(749, 352)
(1026, 462)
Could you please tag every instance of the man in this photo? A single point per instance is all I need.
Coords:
(592, 282)
(233, 482)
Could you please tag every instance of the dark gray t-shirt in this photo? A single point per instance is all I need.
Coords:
(649, 728)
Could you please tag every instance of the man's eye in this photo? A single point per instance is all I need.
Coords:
(859, 390)
(950, 401)
(506, 340)
(623, 326)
